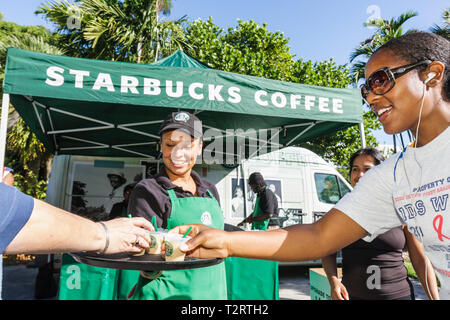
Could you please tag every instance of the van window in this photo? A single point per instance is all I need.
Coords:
(343, 187)
(329, 187)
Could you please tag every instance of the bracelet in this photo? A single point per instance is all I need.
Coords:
(107, 236)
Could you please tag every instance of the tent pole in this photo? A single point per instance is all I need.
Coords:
(3, 129)
(242, 167)
(363, 136)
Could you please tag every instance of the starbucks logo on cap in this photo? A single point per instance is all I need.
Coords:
(182, 116)
(206, 218)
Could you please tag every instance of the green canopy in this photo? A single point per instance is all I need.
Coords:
(103, 108)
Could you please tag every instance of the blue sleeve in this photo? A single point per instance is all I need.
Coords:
(15, 210)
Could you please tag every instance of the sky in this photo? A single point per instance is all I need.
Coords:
(317, 30)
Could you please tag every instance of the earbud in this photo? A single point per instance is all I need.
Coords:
(430, 76)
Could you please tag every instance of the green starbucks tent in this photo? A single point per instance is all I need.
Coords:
(103, 108)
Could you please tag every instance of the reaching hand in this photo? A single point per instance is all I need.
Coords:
(206, 242)
(128, 235)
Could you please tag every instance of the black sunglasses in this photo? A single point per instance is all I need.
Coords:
(382, 80)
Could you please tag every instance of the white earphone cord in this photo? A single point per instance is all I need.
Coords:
(420, 179)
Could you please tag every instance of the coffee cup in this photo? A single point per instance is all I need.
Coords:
(156, 240)
(172, 244)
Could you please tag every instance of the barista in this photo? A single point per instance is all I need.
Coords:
(175, 196)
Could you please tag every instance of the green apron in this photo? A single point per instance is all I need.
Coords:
(251, 279)
(259, 225)
(80, 281)
(84, 282)
(194, 284)
(126, 279)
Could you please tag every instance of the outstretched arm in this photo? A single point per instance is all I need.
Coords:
(51, 230)
(295, 243)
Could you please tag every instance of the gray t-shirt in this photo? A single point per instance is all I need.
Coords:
(410, 188)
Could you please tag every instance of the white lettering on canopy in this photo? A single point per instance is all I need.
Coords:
(79, 77)
(56, 74)
(235, 97)
(214, 92)
(129, 83)
(193, 94)
(195, 90)
(258, 100)
(169, 89)
(104, 81)
(152, 86)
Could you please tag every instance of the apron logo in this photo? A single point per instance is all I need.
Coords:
(206, 218)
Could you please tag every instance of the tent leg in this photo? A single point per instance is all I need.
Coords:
(3, 129)
(363, 136)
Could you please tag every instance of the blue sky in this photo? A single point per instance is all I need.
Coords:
(317, 30)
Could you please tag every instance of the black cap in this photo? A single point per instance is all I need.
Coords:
(185, 121)
(256, 179)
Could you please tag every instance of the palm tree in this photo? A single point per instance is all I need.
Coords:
(444, 30)
(386, 30)
(116, 30)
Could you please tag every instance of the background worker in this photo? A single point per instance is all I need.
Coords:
(120, 209)
(266, 205)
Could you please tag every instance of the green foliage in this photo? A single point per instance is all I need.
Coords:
(24, 152)
(20, 138)
(246, 49)
(27, 155)
(325, 74)
(28, 182)
(115, 30)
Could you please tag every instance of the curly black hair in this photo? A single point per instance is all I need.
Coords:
(417, 46)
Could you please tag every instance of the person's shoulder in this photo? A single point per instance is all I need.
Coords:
(149, 183)
(209, 185)
(7, 192)
(268, 194)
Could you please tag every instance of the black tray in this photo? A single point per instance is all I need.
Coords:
(146, 262)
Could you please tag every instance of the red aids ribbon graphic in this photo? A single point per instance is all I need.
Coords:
(438, 221)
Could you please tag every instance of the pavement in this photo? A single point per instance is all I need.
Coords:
(18, 283)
